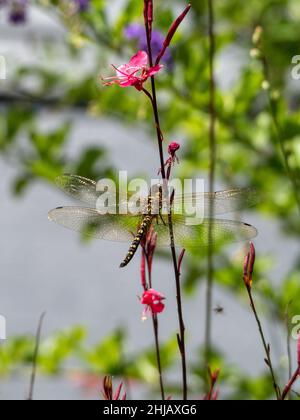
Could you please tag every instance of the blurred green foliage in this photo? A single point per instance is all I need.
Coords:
(254, 120)
(67, 353)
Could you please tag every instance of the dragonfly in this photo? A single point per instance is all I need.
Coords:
(133, 227)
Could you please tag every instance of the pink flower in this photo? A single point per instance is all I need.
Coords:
(135, 73)
(153, 302)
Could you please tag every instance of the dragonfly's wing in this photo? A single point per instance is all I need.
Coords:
(223, 232)
(80, 188)
(85, 190)
(121, 228)
(220, 202)
(89, 222)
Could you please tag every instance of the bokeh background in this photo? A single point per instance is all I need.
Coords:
(56, 118)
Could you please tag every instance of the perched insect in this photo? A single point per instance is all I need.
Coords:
(115, 226)
(219, 310)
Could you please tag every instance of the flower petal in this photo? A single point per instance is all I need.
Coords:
(158, 308)
(128, 82)
(126, 70)
(140, 60)
(154, 70)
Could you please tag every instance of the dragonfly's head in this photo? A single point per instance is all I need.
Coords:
(160, 191)
(156, 190)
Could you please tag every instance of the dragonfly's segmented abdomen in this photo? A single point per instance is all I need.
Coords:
(145, 225)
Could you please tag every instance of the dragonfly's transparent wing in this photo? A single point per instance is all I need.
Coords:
(80, 188)
(121, 228)
(223, 232)
(89, 222)
(221, 202)
(85, 190)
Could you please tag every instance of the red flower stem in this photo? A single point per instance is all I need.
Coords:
(265, 345)
(211, 390)
(180, 259)
(288, 388)
(149, 273)
(156, 336)
(143, 271)
(146, 92)
(181, 335)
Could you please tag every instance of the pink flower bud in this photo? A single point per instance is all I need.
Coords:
(148, 12)
(107, 388)
(117, 394)
(249, 266)
(172, 32)
(173, 148)
(148, 244)
(107, 391)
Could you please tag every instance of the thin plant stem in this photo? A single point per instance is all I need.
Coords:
(279, 135)
(158, 358)
(156, 335)
(284, 153)
(181, 335)
(288, 342)
(35, 356)
(212, 175)
(288, 345)
(265, 345)
(288, 388)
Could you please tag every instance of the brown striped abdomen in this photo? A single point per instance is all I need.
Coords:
(145, 225)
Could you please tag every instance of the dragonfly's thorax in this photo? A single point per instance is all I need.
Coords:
(154, 205)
